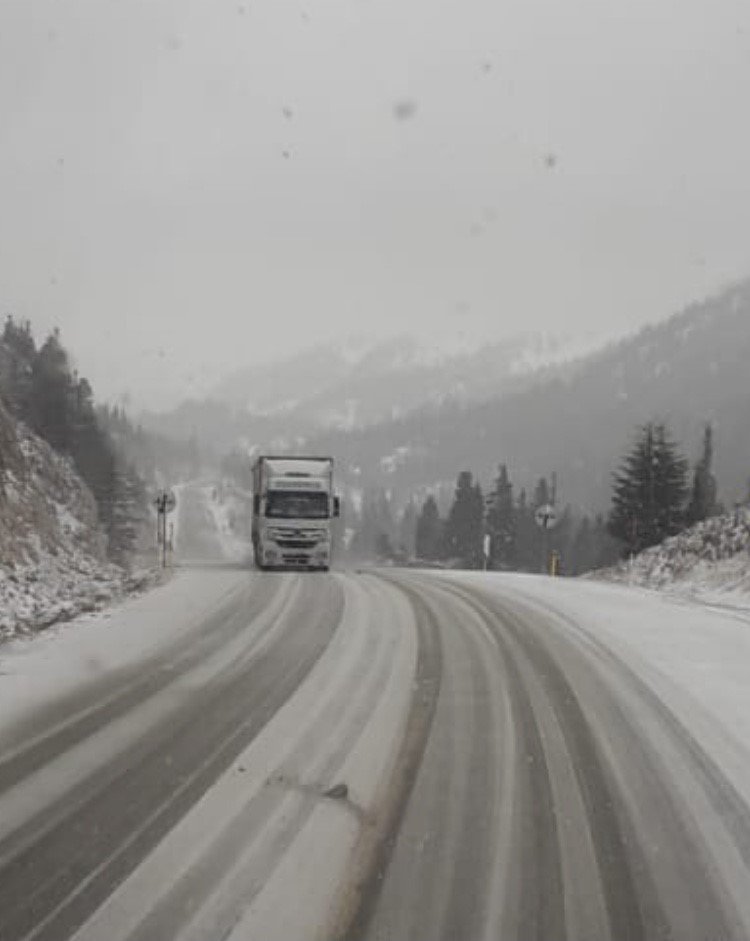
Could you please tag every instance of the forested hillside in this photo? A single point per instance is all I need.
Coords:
(273, 405)
(71, 504)
(40, 388)
(688, 370)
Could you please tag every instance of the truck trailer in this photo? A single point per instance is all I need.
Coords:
(294, 506)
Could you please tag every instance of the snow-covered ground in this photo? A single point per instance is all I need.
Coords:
(696, 657)
(660, 687)
(34, 596)
(52, 552)
(230, 510)
(34, 669)
(709, 562)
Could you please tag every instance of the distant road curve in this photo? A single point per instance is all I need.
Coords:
(382, 755)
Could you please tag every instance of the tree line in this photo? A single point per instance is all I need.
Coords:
(40, 387)
(654, 496)
(508, 521)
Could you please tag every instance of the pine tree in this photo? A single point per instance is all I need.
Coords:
(542, 494)
(607, 547)
(501, 522)
(16, 367)
(428, 535)
(407, 527)
(128, 516)
(465, 524)
(527, 536)
(649, 491)
(703, 493)
(51, 394)
(384, 550)
(376, 522)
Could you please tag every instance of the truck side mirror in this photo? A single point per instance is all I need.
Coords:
(256, 504)
(337, 506)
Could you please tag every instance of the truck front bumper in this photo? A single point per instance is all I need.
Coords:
(316, 557)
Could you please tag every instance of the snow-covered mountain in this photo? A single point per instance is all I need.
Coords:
(52, 551)
(578, 420)
(362, 382)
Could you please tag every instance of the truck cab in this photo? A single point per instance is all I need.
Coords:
(294, 506)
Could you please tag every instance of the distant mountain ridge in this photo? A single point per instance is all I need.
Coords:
(687, 370)
(351, 387)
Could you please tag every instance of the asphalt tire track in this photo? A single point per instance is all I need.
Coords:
(603, 842)
(125, 809)
(643, 900)
(370, 858)
(98, 703)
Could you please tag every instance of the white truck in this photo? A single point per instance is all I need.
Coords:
(294, 506)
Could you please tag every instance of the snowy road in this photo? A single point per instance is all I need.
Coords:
(523, 759)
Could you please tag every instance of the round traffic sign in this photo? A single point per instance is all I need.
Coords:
(546, 516)
(165, 501)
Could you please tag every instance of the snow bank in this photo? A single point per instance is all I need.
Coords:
(52, 551)
(712, 559)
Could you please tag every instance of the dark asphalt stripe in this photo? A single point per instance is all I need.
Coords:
(539, 887)
(105, 838)
(630, 889)
(465, 913)
(724, 797)
(96, 704)
(372, 854)
(66, 802)
(174, 910)
(614, 857)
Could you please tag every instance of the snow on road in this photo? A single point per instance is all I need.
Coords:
(511, 756)
(696, 657)
(38, 669)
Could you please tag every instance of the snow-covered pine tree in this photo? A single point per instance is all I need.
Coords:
(428, 536)
(501, 521)
(650, 487)
(703, 501)
(465, 523)
(407, 525)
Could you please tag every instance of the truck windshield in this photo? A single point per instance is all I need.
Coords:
(292, 504)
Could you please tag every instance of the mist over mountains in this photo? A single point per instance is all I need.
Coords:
(687, 370)
(399, 416)
(352, 386)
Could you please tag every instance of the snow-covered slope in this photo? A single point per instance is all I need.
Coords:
(52, 553)
(350, 386)
(578, 419)
(711, 557)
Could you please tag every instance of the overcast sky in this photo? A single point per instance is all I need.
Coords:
(189, 185)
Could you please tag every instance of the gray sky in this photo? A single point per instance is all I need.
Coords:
(189, 185)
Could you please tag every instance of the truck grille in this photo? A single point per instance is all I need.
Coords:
(296, 544)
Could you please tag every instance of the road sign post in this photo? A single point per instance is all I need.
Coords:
(546, 519)
(165, 502)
